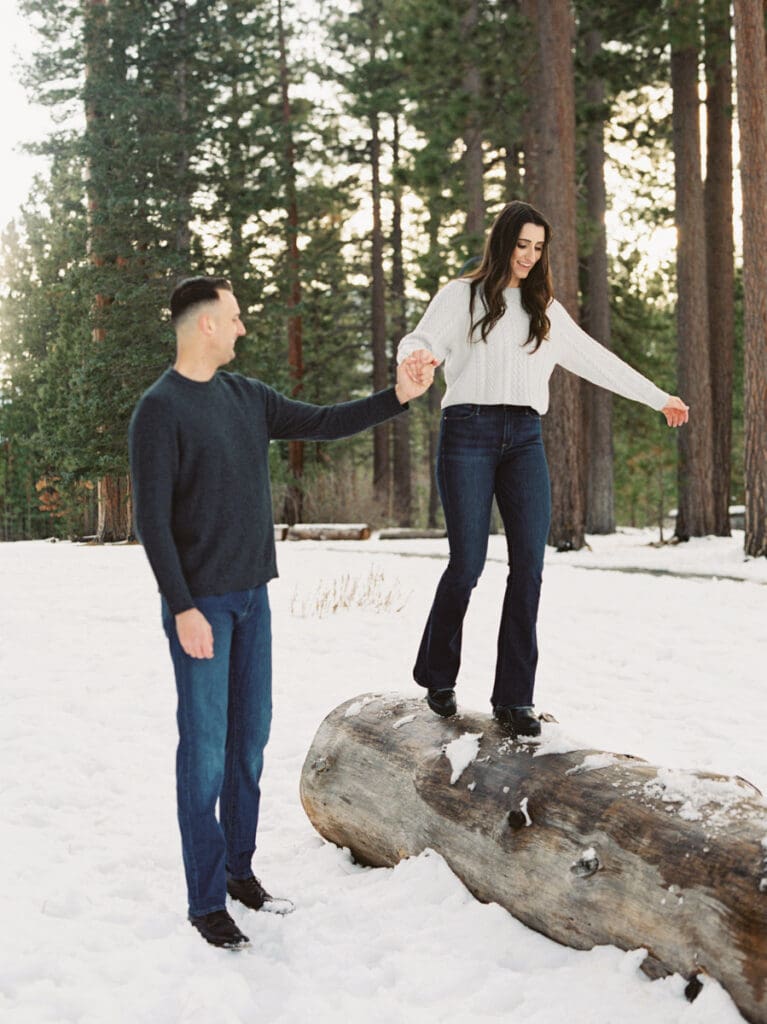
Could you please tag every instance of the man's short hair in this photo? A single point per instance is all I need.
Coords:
(194, 291)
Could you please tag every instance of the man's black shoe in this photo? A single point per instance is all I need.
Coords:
(518, 721)
(219, 929)
(250, 892)
(442, 702)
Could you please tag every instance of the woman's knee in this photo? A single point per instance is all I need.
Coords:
(463, 576)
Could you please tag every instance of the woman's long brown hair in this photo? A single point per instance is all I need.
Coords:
(492, 275)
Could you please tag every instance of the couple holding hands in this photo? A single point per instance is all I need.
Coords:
(199, 439)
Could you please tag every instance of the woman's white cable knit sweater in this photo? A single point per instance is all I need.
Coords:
(504, 370)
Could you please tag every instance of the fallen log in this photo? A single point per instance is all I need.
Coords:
(329, 531)
(584, 846)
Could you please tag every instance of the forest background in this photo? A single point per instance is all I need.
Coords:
(341, 161)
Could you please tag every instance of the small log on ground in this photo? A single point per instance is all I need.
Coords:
(329, 531)
(586, 847)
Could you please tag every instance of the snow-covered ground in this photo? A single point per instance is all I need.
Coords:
(91, 888)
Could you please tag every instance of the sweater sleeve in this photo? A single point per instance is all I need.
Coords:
(153, 447)
(289, 420)
(444, 325)
(579, 353)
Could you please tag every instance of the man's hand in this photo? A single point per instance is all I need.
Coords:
(194, 633)
(415, 374)
(676, 412)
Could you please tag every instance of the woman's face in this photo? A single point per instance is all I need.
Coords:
(527, 252)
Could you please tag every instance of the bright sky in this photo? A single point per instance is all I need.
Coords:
(20, 121)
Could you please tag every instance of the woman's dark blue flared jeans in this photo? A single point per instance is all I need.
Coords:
(224, 714)
(487, 450)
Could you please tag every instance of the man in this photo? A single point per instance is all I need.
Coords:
(199, 442)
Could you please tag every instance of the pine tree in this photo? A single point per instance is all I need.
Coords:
(696, 508)
(369, 80)
(294, 499)
(550, 185)
(751, 50)
(113, 58)
(643, 331)
(720, 264)
(401, 466)
(600, 512)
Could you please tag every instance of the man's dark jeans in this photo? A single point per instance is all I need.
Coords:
(487, 450)
(224, 714)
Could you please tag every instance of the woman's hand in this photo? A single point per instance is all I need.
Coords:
(676, 412)
(415, 374)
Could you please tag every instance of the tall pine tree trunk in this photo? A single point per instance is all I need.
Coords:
(294, 498)
(433, 394)
(402, 492)
(695, 516)
(550, 185)
(751, 50)
(114, 508)
(472, 140)
(600, 503)
(720, 268)
(113, 490)
(381, 433)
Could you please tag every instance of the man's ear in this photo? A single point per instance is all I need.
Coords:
(205, 323)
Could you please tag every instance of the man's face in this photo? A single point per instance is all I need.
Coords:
(225, 327)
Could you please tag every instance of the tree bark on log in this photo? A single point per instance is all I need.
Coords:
(586, 847)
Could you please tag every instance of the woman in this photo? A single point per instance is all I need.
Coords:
(500, 334)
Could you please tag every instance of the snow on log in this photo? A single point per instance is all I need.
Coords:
(329, 531)
(584, 846)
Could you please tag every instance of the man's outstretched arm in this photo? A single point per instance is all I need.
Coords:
(290, 420)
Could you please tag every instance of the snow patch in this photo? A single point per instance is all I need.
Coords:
(523, 808)
(461, 752)
(592, 762)
(403, 721)
(554, 740)
(715, 801)
(355, 708)
(99, 918)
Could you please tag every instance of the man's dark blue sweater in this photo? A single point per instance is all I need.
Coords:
(199, 454)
